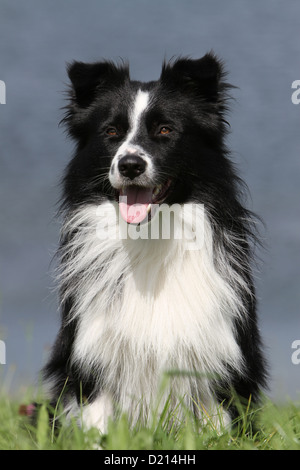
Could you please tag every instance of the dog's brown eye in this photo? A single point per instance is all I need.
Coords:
(111, 131)
(164, 130)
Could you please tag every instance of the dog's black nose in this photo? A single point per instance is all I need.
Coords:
(132, 166)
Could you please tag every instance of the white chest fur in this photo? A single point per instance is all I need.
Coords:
(147, 306)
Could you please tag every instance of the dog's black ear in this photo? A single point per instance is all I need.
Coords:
(87, 79)
(202, 76)
(87, 82)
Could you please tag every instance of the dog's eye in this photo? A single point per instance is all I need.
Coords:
(111, 131)
(164, 130)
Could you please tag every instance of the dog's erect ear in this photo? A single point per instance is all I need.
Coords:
(87, 79)
(202, 76)
(87, 82)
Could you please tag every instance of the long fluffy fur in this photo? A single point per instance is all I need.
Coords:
(133, 309)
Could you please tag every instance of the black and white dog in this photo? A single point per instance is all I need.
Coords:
(155, 254)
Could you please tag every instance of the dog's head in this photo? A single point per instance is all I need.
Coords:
(144, 143)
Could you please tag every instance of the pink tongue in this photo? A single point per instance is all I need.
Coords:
(133, 203)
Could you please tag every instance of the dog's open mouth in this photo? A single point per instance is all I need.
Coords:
(136, 202)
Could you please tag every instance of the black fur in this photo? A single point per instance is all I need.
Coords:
(192, 97)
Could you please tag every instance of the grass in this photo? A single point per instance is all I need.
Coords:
(277, 427)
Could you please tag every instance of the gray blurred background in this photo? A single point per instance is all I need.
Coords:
(259, 42)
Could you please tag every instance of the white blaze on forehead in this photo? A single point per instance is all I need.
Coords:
(139, 106)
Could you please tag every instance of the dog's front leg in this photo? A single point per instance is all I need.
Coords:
(97, 413)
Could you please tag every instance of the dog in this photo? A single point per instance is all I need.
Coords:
(156, 250)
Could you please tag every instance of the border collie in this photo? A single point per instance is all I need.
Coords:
(140, 298)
